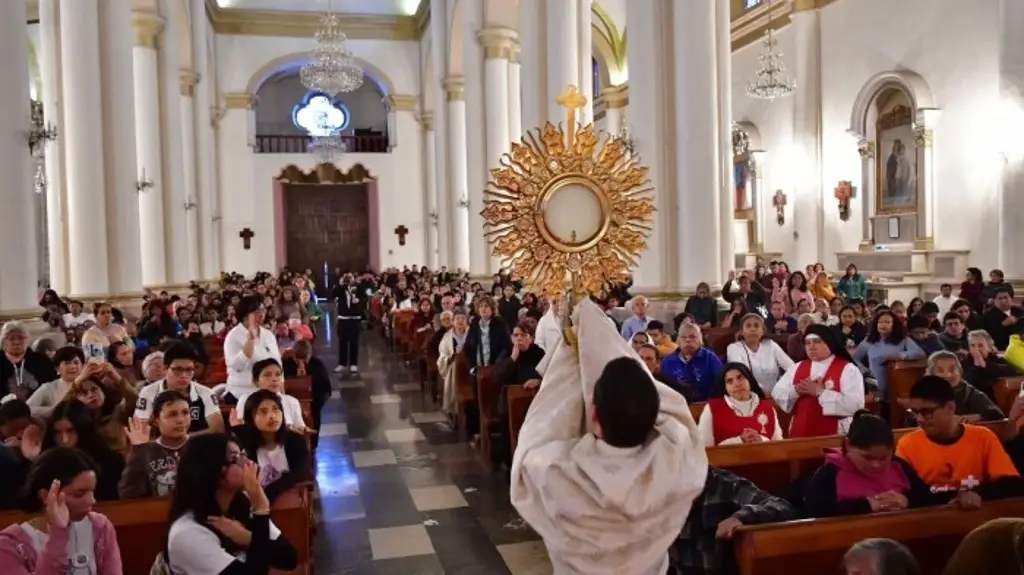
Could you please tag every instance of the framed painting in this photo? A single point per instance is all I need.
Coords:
(896, 162)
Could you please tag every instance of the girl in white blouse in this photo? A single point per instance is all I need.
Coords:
(247, 343)
(765, 358)
(738, 411)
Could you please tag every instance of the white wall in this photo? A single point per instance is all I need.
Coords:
(279, 96)
(247, 178)
(953, 45)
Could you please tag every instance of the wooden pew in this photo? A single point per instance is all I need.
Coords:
(519, 401)
(299, 387)
(465, 389)
(774, 466)
(142, 526)
(487, 400)
(818, 545)
(1006, 391)
(902, 375)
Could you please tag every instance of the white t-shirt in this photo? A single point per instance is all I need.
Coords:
(766, 363)
(239, 381)
(208, 328)
(292, 410)
(273, 464)
(195, 550)
(945, 304)
(44, 399)
(77, 320)
(81, 546)
(201, 402)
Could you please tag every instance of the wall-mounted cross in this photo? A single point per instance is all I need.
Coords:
(246, 234)
(401, 232)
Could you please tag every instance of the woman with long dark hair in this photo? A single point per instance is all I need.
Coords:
(886, 341)
(220, 515)
(282, 454)
(973, 289)
(72, 425)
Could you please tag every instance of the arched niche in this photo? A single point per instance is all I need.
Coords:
(893, 120)
(748, 155)
(456, 32)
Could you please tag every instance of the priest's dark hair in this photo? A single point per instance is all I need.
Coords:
(627, 403)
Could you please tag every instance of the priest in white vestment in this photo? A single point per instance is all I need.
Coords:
(609, 495)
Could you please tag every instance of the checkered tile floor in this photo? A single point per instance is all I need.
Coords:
(397, 492)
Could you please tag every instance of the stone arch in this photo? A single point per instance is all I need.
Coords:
(295, 60)
(456, 31)
(911, 83)
(608, 47)
(754, 141)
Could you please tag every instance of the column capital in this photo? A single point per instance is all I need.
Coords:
(239, 101)
(807, 5)
(426, 120)
(513, 56)
(147, 27)
(402, 103)
(188, 80)
(216, 115)
(616, 96)
(454, 87)
(498, 43)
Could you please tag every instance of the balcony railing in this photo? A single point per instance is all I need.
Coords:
(298, 144)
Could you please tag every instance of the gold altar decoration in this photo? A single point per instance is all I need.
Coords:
(569, 206)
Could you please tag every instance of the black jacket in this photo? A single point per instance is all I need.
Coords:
(350, 303)
(34, 364)
(820, 498)
(984, 378)
(295, 451)
(508, 309)
(500, 340)
(754, 298)
(992, 322)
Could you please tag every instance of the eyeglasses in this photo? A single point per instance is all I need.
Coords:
(924, 412)
(183, 370)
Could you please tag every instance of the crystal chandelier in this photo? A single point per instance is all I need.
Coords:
(771, 81)
(327, 149)
(331, 68)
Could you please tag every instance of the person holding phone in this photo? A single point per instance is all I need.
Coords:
(247, 343)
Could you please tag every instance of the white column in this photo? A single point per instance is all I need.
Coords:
(586, 65)
(175, 243)
(205, 168)
(433, 258)
(726, 188)
(83, 139)
(188, 162)
(458, 171)
(515, 96)
(56, 214)
(563, 53)
(439, 59)
(148, 28)
(697, 153)
(1011, 89)
(808, 203)
(19, 271)
(498, 44)
(615, 100)
(119, 167)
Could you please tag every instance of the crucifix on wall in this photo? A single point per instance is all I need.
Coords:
(246, 234)
(401, 232)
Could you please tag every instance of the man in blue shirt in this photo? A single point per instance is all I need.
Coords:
(639, 321)
(693, 369)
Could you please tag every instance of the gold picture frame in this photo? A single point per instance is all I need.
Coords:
(535, 232)
(897, 164)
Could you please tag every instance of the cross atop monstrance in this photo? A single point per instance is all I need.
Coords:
(569, 208)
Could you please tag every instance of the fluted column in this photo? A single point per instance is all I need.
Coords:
(56, 199)
(697, 151)
(498, 44)
(175, 242)
(148, 27)
(1011, 88)
(205, 168)
(429, 160)
(19, 270)
(188, 162)
(458, 170)
(515, 96)
(119, 166)
(615, 100)
(726, 187)
(83, 137)
(807, 201)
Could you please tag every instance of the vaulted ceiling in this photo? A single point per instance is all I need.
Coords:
(367, 7)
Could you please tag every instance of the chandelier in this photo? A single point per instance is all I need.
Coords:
(40, 132)
(771, 81)
(327, 149)
(332, 68)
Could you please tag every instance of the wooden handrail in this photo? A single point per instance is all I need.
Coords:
(299, 144)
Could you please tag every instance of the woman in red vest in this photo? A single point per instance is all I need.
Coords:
(737, 410)
(824, 390)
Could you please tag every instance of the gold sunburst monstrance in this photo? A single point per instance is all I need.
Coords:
(569, 206)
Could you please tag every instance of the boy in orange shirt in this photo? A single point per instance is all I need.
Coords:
(965, 461)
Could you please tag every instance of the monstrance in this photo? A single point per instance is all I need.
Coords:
(569, 208)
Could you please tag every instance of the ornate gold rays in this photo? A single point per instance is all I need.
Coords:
(608, 197)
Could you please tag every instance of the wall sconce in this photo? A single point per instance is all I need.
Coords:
(463, 201)
(39, 180)
(143, 184)
(190, 205)
(40, 133)
(433, 218)
(216, 218)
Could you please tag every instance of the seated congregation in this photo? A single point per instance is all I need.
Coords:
(823, 414)
(179, 442)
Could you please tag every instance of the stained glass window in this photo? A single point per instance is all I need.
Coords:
(748, 4)
(319, 116)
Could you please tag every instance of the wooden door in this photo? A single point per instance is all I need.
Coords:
(327, 224)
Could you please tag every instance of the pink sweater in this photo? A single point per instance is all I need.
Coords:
(19, 557)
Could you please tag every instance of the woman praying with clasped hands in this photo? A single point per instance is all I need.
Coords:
(247, 343)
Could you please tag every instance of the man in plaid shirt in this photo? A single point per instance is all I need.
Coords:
(728, 501)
